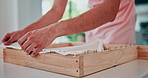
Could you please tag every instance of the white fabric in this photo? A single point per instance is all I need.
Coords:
(73, 50)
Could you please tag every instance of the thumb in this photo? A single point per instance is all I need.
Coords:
(6, 37)
(9, 41)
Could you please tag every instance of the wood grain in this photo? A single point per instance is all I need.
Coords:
(142, 52)
(1, 52)
(50, 62)
(94, 62)
(80, 65)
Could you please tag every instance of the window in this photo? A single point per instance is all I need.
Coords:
(73, 9)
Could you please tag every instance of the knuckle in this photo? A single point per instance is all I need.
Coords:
(30, 38)
(10, 41)
(8, 34)
(19, 41)
(27, 51)
(29, 33)
(23, 47)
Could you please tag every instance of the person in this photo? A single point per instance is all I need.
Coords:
(112, 21)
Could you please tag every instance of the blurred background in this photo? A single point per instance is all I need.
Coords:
(17, 14)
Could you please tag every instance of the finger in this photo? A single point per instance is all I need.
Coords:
(23, 39)
(26, 44)
(9, 41)
(30, 48)
(35, 52)
(6, 38)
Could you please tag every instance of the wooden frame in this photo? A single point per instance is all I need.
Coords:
(1, 53)
(79, 65)
(142, 52)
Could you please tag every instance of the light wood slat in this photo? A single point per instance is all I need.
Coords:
(79, 65)
(1, 52)
(49, 62)
(98, 61)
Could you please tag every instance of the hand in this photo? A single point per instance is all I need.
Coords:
(13, 37)
(34, 41)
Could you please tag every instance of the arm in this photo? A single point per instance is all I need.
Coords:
(52, 16)
(102, 13)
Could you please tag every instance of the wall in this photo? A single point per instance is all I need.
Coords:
(17, 14)
(29, 12)
(8, 16)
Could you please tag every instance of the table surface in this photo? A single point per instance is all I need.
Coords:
(133, 69)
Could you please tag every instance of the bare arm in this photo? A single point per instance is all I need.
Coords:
(102, 13)
(52, 16)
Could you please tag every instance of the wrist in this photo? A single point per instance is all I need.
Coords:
(30, 27)
(55, 29)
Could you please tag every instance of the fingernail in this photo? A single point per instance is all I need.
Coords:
(6, 44)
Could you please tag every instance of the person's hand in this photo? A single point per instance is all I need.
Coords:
(34, 41)
(9, 38)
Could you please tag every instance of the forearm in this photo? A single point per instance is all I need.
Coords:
(101, 14)
(54, 15)
(49, 18)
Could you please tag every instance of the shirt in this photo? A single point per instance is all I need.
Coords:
(121, 30)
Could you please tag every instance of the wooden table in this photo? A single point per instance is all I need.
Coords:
(133, 69)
